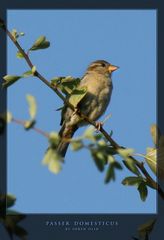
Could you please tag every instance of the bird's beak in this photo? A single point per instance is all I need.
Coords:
(112, 68)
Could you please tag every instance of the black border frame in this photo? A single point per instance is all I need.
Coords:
(35, 224)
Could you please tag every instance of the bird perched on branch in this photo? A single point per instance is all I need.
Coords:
(99, 85)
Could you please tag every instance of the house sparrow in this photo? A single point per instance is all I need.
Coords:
(98, 81)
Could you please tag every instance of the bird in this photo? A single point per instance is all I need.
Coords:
(98, 82)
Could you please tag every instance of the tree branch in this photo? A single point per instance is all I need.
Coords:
(140, 165)
(30, 64)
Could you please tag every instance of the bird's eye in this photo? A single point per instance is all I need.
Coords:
(103, 65)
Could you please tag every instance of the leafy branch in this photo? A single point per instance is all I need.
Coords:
(68, 85)
(11, 219)
(145, 230)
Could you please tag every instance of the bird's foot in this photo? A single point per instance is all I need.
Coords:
(99, 125)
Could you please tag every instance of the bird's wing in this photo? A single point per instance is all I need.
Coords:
(64, 109)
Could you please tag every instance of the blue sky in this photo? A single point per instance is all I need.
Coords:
(126, 38)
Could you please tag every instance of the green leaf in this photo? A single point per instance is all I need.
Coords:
(151, 159)
(10, 79)
(15, 34)
(151, 153)
(101, 143)
(68, 79)
(77, 95)
(32, 105)
(110, 174)
(110, 150)
(54, 139)
(154, 133)
(48, 155)
(146, 228)
(46, 44)
(99, 159)
(21, 34)
(130, 164)
(132, 181)
(111, 159)
(68, 84)
(33, 70)
(19, 55)
(65, 84)
(10, 200)
(9, 117)
(40, 43)
(76, 145)
(126, 152)
(98, 136)
(29, 124)
(53, 160)
(140, 183)
(27, 74)
(142, 188)
(128, 161)
(55, 166)
(89, 133)
(117, 165)
(56, 81)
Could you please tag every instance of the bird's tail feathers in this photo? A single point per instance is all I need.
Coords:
(65, 133)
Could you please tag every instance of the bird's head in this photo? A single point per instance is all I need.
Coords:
(102, 67)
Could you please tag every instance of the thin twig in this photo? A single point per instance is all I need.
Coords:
(106, 118)
(38, 130)
(140, 165)
(30, 64)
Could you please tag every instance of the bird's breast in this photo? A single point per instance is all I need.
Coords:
(96, 83)
(98, 95)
